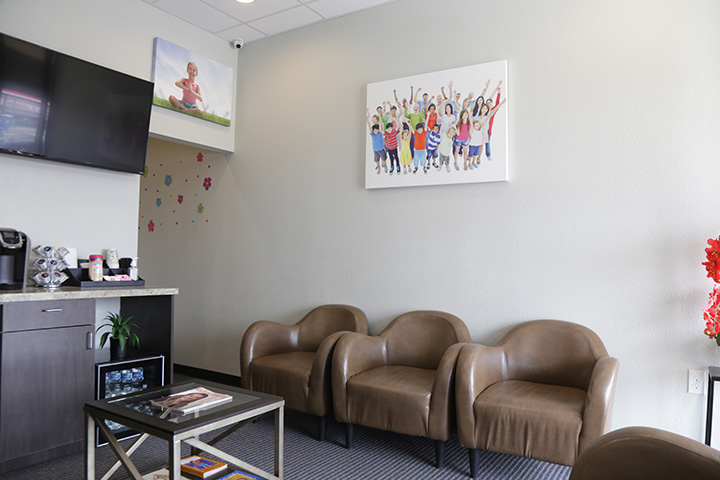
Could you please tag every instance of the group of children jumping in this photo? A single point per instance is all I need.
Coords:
(416, 133)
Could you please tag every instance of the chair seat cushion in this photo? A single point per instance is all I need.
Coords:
(286, 375)
(530, 419)
(393, 397)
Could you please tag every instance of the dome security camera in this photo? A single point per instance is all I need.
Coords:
(238, 43)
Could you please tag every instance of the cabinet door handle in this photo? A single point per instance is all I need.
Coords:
(89, 339)
(52, 310)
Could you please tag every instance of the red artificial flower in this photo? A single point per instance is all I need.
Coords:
(207, 183)
(180, 198)
(711, 315)
(151, 226)
(713, 259)
(200, 157)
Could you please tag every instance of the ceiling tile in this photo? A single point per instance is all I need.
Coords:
(224, 18)
(335, 8)
(247, 33)
(198, 14)
(252, 11)
(287, 20)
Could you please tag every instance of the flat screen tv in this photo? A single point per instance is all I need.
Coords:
(57, 107)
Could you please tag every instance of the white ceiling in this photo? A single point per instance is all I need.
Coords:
(229, 19)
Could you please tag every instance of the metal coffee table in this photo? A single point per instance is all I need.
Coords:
(136, 412)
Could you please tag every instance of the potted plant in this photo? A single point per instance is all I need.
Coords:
(119, 335)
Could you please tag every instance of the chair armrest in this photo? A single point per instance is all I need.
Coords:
(478, 367)
(442, 401)
(354, 353)
(598, 404)
(264, 338)
(319, 397)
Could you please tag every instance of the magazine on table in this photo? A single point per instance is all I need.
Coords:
(191, 400)
(200, 466)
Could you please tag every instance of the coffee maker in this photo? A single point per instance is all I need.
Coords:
(14, 254)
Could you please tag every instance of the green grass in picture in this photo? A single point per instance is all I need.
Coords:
(161, 102)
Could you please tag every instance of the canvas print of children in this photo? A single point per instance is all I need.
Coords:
(438, 139)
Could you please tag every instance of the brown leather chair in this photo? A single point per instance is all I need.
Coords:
(544, 392)
(293, 361)
(401, 380)
(639, 453)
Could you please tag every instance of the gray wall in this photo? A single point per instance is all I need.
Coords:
(613, 119)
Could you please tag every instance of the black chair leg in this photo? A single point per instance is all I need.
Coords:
(322, 422)
(440, 453)
(349, 435)
(474, 454)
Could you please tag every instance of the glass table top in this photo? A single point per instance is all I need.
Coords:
(142, 403)
(139, 406)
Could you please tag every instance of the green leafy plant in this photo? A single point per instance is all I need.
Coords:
(120, 325)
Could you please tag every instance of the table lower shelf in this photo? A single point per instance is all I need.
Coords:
(95, 419)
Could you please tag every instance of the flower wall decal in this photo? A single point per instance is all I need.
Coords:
(159, 189)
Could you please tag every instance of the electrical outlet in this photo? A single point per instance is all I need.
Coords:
(696, 381)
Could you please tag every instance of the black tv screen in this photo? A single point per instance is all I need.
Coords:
(57, 107)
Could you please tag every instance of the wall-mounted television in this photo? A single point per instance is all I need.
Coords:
(57, 107)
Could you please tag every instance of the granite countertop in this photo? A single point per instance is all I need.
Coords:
(33, 294)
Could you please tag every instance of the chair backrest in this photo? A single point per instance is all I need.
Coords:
(639, 453)
(420, 339)
(553, 352)
(324, 320)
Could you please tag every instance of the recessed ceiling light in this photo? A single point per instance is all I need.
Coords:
(245, 1)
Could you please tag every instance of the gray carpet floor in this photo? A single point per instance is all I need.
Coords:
(375, 455)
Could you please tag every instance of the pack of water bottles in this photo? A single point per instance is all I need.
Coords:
(123, 382)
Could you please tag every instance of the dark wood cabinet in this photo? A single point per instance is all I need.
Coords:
(45, 412)
(46, 376)
(47, 363)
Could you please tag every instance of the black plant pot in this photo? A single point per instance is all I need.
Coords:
(115, 351)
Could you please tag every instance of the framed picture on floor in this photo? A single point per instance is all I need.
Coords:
(438, 128)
